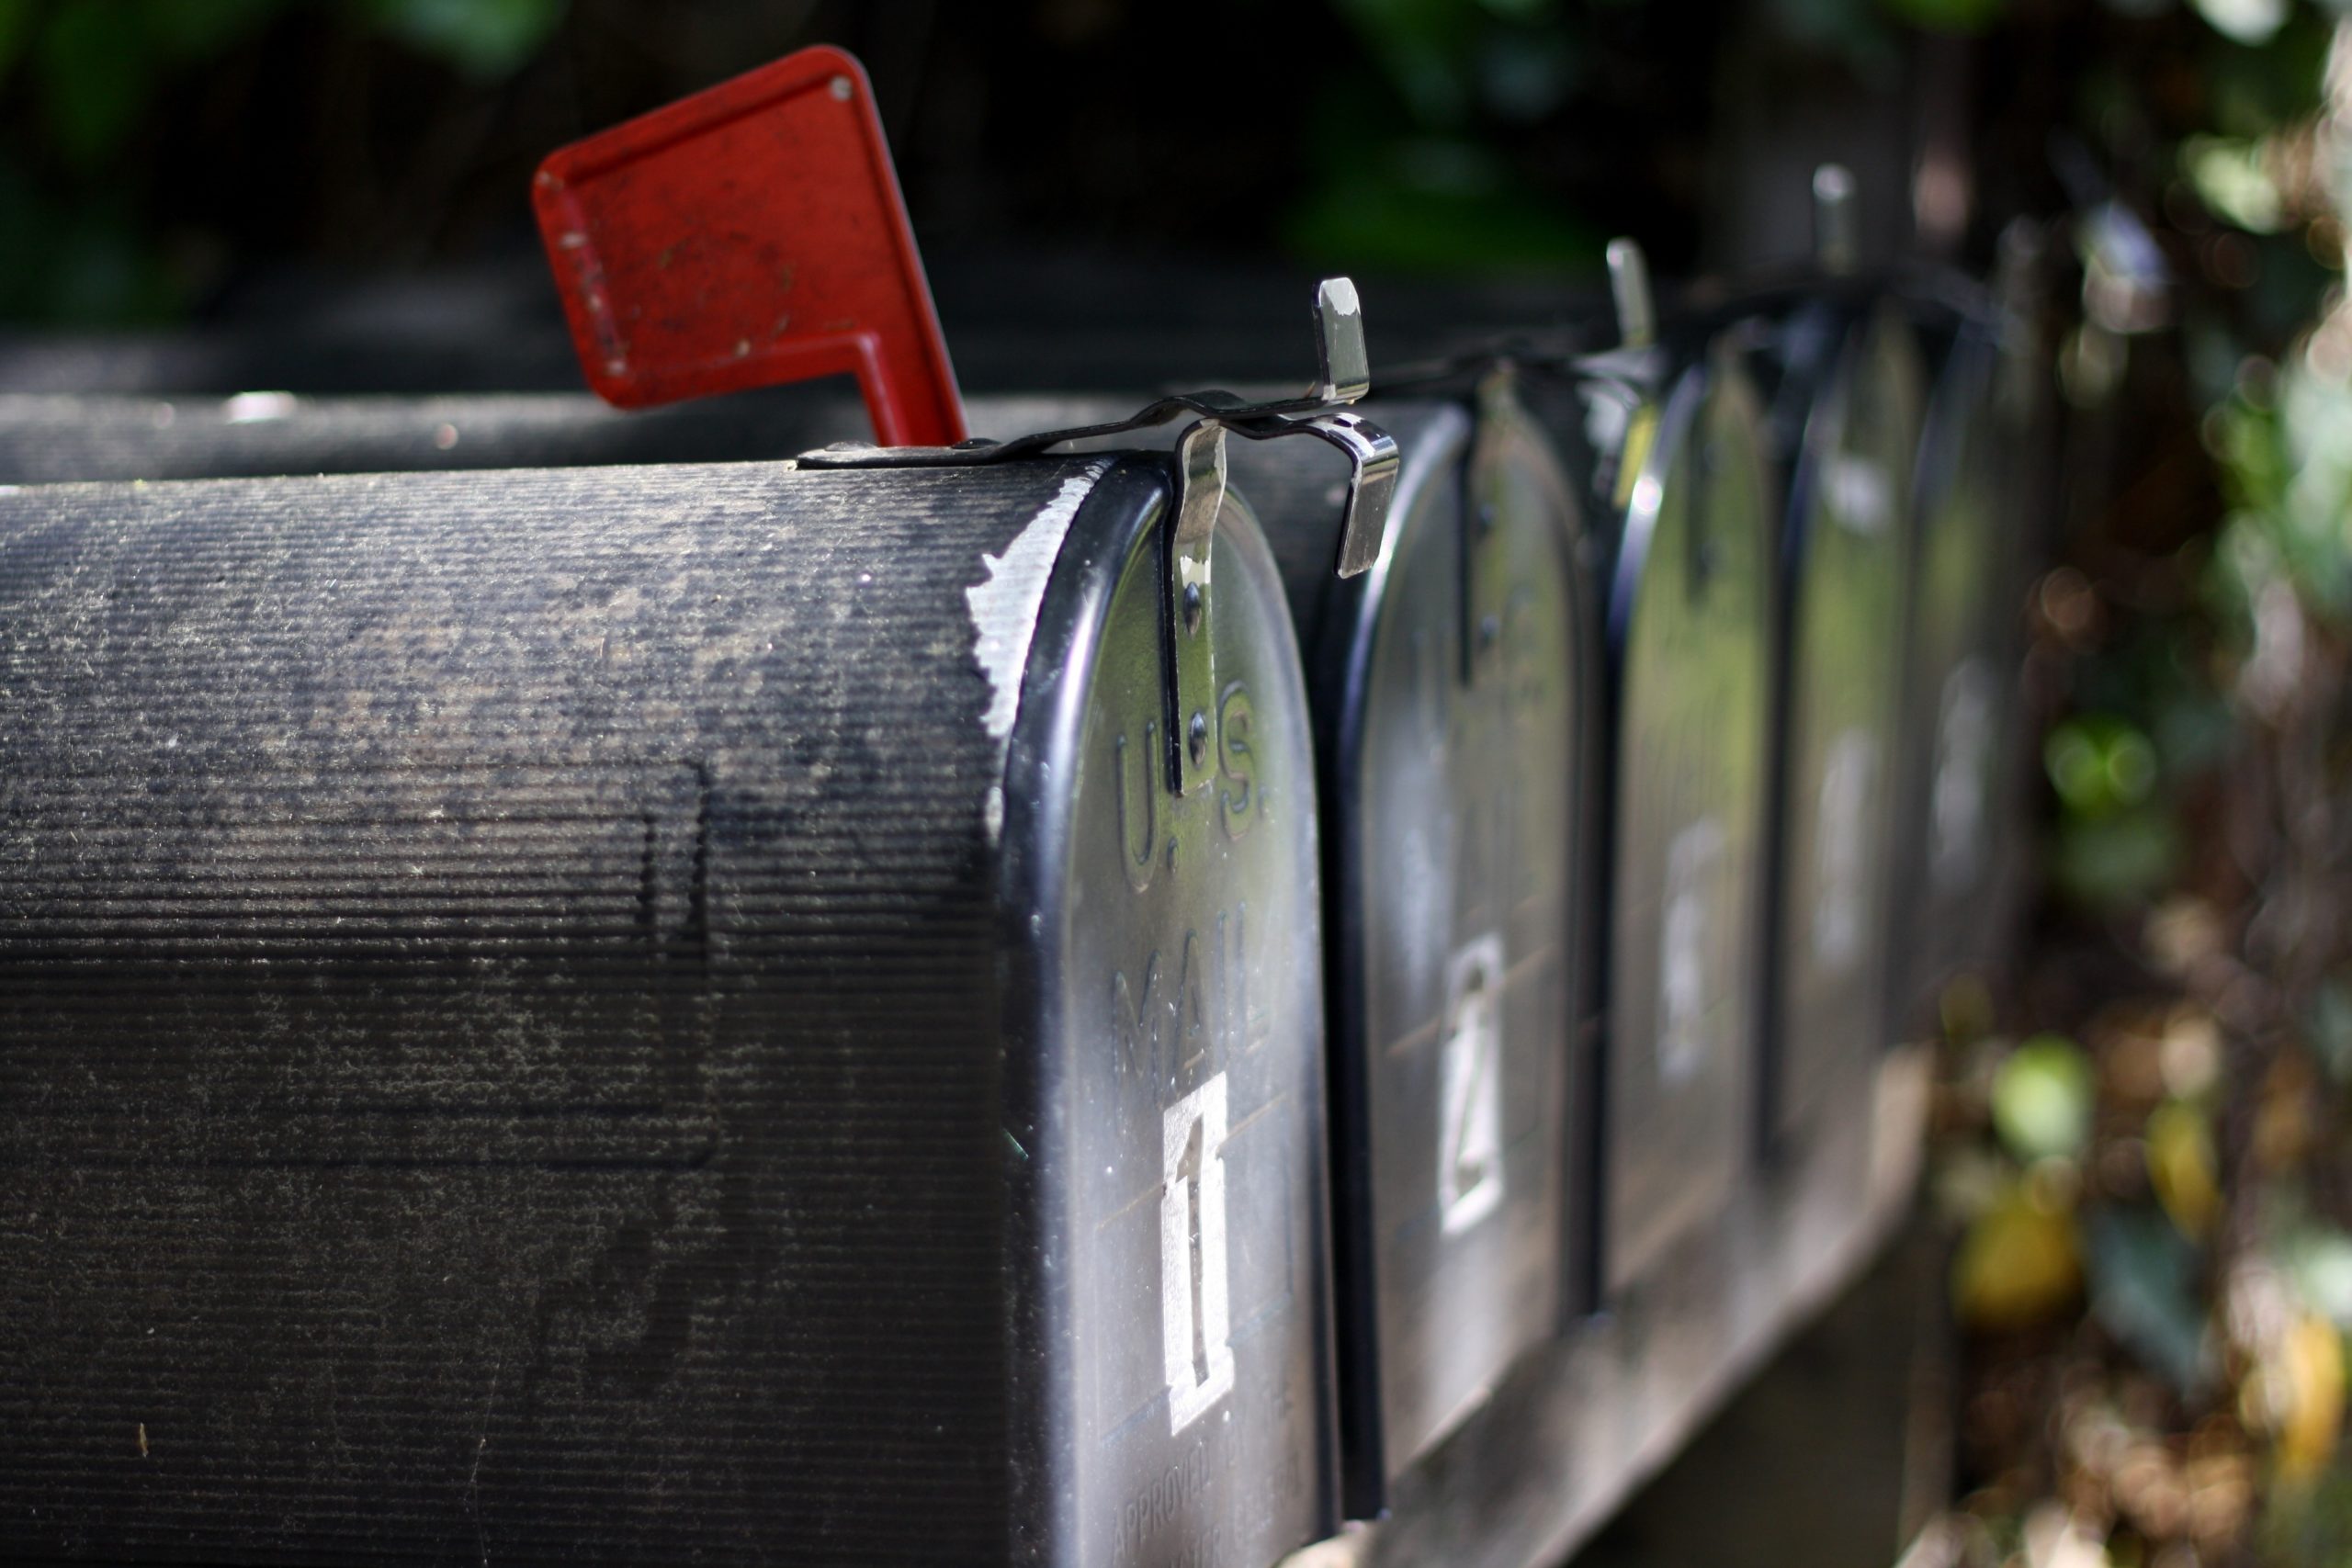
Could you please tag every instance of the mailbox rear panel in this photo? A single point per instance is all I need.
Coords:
(514, 1035)
(1691, 643)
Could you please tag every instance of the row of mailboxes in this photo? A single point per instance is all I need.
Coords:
(657, 1010)
(1079, 1001)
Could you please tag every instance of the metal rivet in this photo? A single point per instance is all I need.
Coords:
(841, 89)
(1197, 738)
(1191, 608)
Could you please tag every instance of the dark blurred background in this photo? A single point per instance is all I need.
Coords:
(2134, 1265)
(175, 161)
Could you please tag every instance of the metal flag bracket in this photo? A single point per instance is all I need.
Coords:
(1343, 375)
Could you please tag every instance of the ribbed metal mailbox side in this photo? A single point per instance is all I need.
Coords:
(550, 1016)
(1690, 636)
(1447, 694)
(1847, 408)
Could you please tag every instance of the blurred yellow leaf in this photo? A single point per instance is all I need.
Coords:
(2017, 1264)
(2310, 1378)
(2181, 1167)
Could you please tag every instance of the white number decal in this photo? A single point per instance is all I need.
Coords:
(1194, 1306)
(1691, 863)
(1841, 850)
(1470, 1135)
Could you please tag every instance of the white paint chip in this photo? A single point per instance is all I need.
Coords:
(254, 408)
(1005, 608)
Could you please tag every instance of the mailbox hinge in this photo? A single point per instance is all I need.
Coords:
(1343, 375)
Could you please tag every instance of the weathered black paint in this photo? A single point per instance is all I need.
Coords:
(537, 1022)
(1450, 692)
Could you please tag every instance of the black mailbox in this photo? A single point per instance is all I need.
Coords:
(652, 1014)
(1844, 383)
(51, 439)
(1962, 677)
(1690, 632)
(1449, 688)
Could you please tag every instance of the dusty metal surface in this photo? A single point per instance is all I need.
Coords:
(617, 1013)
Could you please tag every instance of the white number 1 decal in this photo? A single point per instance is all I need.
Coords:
(1194, 1305)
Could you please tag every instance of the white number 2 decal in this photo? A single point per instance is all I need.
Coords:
(1470, 1097)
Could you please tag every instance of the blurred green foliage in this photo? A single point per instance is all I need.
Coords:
(2178, 1373)
(83, 82)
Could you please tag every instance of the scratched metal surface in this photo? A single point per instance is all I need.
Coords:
(507, 1045)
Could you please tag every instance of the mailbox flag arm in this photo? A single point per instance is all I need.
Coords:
(750, 236)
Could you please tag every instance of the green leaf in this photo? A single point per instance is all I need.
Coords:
(2321, 1259)
(2042, 1099)
(95, 73)
(483, 38)
(2099, 764)
(2243, 22)
(1947, 16)
(2143, 1290)
(16, 32)
(2328, 1029)
(2114, 862)
(2232, 177)
(197, 30)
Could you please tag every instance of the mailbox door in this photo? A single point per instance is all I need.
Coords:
(1179, 1308)
(1456, 754)
(1960, 681)
(1690, 633)
(1847, 552)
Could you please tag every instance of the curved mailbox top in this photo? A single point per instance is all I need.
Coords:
(1853, 382)
(1690, 632)
(631, 1012)
(56, 439)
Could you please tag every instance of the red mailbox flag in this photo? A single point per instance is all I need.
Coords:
(750, 236)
